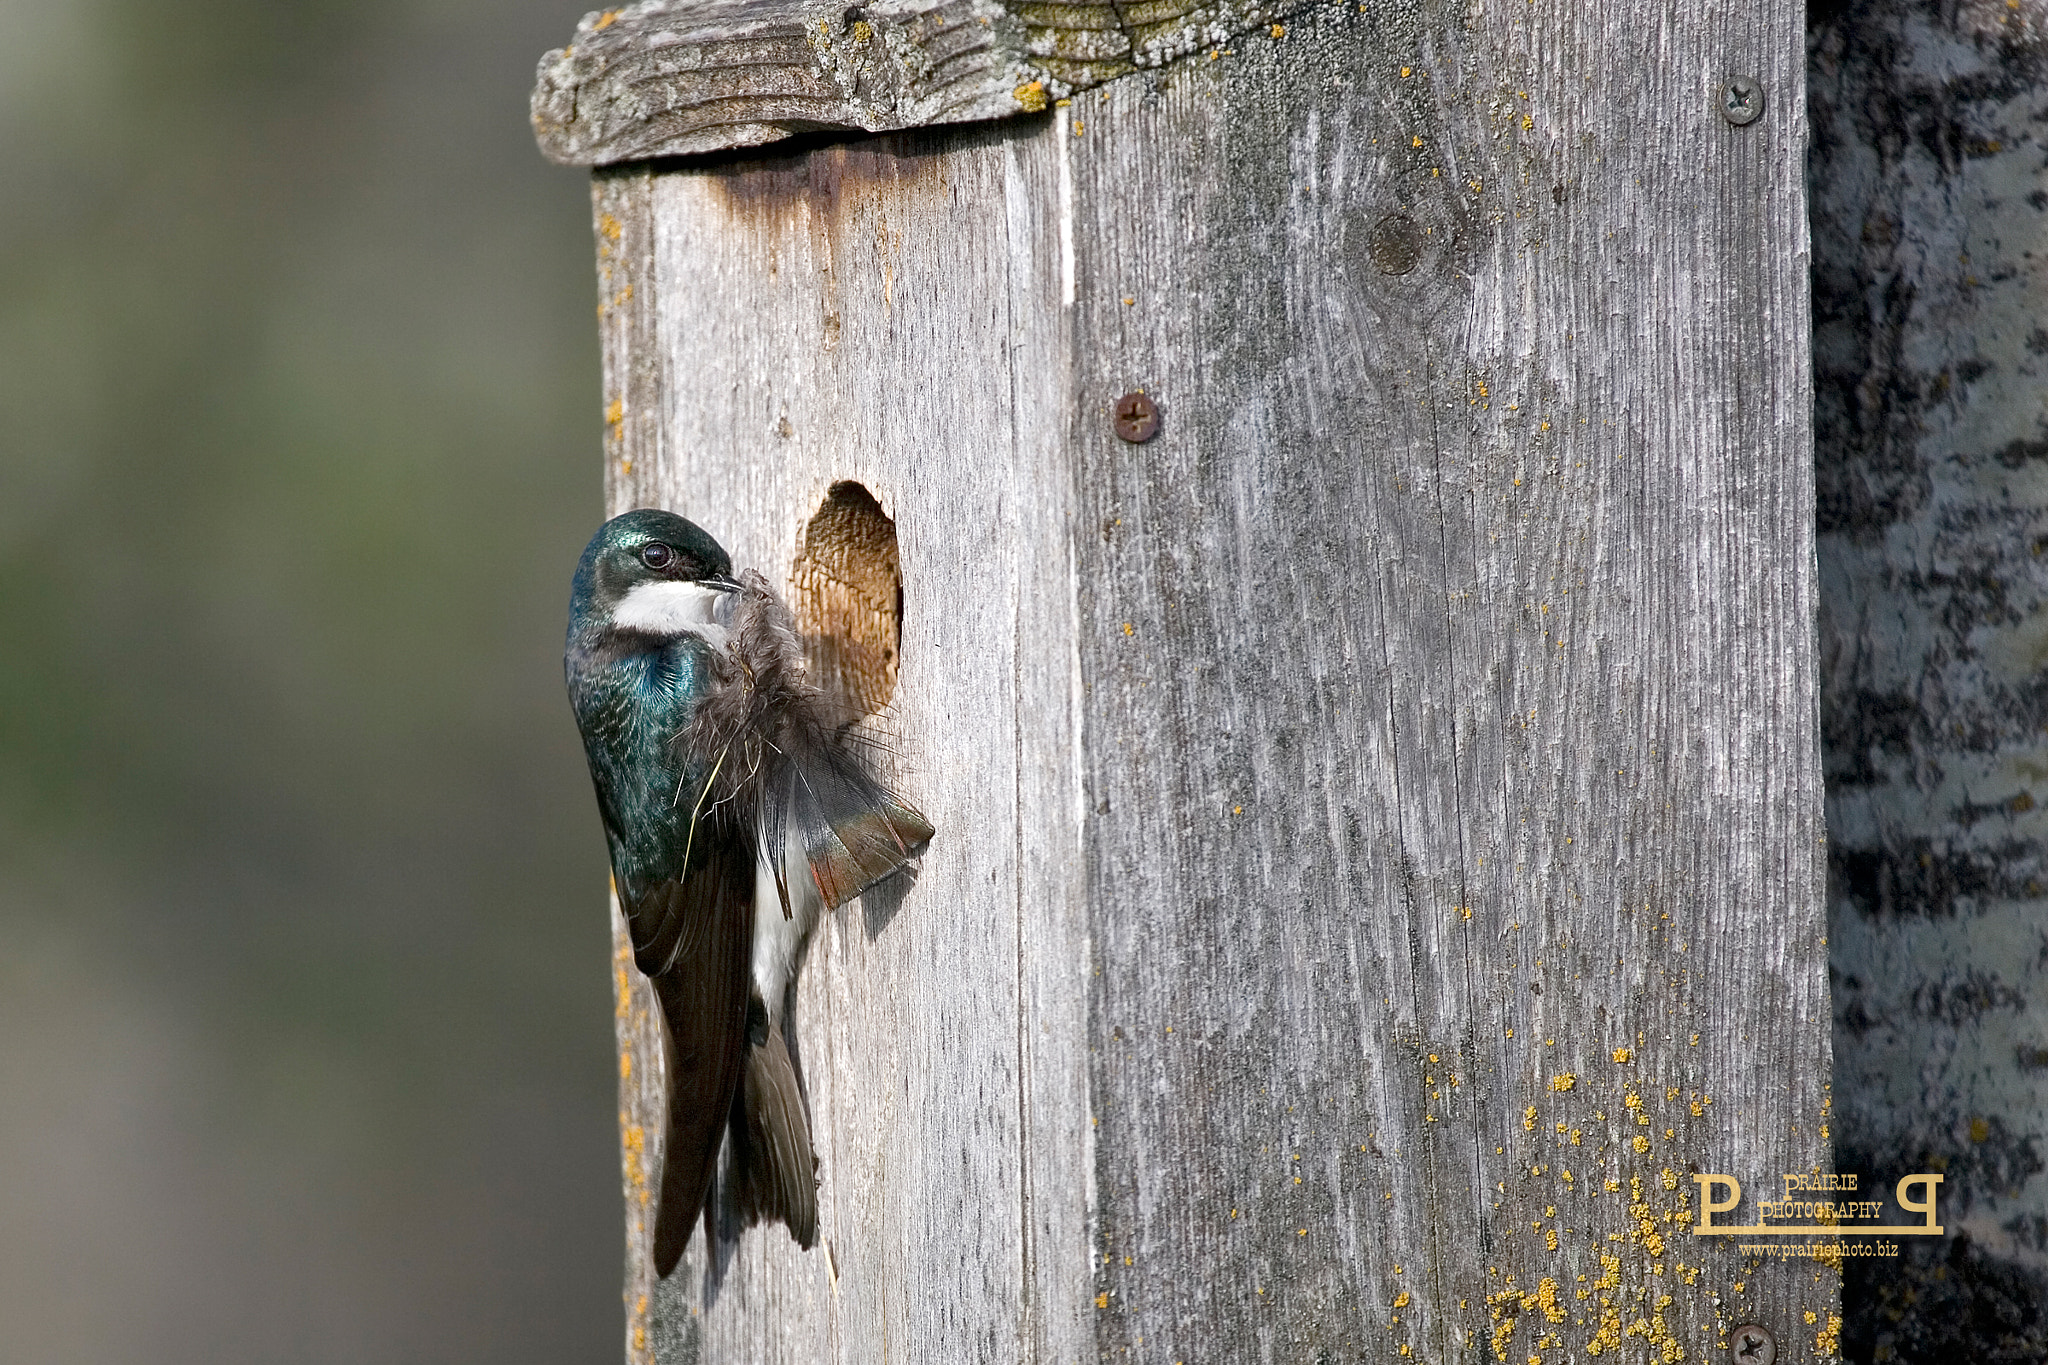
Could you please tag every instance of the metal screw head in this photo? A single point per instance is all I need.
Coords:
(1742, 101)
(1137, 418)
(1750, 1344)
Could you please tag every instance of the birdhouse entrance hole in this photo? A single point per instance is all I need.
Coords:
(848, 589)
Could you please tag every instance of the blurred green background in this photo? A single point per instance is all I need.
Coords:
(304, 1000)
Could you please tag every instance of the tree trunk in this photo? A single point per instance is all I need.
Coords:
(1929, 251)
(1380, 853)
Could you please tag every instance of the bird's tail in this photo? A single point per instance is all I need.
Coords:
(774, 1167)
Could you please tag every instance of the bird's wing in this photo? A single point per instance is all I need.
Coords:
(853, 830)
(693, 936)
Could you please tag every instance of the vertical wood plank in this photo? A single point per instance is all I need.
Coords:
(1379, 853)
(1452, 675)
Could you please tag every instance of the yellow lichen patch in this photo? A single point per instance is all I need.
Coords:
(1828, 1340)
(1030, 96)
(1623, 1055)
(1668, 1178)
(1279, 30)
(1529, 1119)
(862, 31)
(633, 1146)
(605, 21)
(608, 227)
(1564, 1081)
(1401, 1299)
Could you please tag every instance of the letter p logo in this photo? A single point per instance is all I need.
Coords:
(1923, 1207)
(1708, 1207)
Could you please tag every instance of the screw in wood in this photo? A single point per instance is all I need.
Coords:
(1742, 100)
(1137, 418)
(1752, 1345)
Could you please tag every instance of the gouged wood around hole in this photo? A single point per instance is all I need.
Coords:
(848, 587)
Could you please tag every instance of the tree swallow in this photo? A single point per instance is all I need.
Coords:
(738, 807)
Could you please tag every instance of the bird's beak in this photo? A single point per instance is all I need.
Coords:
(722, 584)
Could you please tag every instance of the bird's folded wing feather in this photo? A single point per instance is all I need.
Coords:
(693, 935)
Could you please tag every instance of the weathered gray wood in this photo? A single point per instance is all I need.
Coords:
(1928, 189)
(1391, 788)
(671, 77)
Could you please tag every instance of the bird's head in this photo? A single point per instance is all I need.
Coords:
(649, 571)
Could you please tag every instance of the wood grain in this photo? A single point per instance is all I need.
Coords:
(1380, 831)
(670, 77)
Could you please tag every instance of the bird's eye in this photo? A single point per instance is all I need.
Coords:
(657, 556)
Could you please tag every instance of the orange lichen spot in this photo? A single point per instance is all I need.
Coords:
(605, 21)
(1415, 142)
(625, 1066)
(1102, 1300)
(615, 412)
(1404, 72)
(1030, 96)
(1401, 1299)
(608, 227)
(1129, 629)
(1279, 30)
